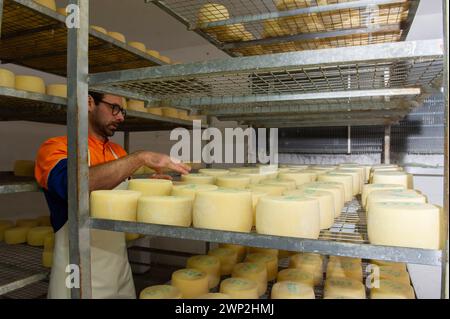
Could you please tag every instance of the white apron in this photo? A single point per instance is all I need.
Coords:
(111, 274)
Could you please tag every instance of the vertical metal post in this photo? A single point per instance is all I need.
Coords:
(387, 144)
(208, 123)
(77, 131)
(1, 17)
(126, 141)
(349, 139)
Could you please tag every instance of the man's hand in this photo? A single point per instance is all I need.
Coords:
(158, 162)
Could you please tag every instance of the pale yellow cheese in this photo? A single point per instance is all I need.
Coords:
(4, 225)
(399, 178)
(135, 105)
(47, 3)
(345, 268)
(369, 188)
(404, 224)
(24, 168)
(344, 287)
(138, 45)
(47, 258)
(62, 11)
(7, 79)
(291, 290)
(37, 235)
(114, 204)
(195, 178)
(231, 33)
(335, 188)
(346, 180)
(394, 273)
(99, 29)
(388, 263)
(228, 259)
(155, 111)
(165, 210)
(191, 282)
(154, 54)
(299, 177)
(118, 36)
(151, 187)
(160, 292)
(240, 250)
(30, 83)
(253, 271)
(309, 262)
(167, 60)
(270, 261)
(224, 209)
(212, 12)
(214, 295)
(233, 181)
(208, 264)
(131, 236)
(191, 190)
(214, 171)
(57, 90)
(16, 235)
(295, 166)
(303, 276)
(392, 290)
(169, 111)
(358, 178)
(255, 178)
(239, 288)
(363, 171)
(291, 216)
(256, 195)
(396, 195)
(27, 223)
(273, 190)
(288, 184)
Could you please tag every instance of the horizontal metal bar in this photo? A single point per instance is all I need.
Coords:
(32, 96)
(22, 283)
(41, 9)
(396, 254)
(161, 251)
(19, 188)
(358, 122)
(274, 62)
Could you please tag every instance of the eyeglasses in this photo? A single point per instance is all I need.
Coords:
(115, 108)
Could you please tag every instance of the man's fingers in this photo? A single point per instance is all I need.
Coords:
(161, 176)
(180, 168)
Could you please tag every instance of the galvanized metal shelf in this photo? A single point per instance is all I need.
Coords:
(20, 266)
(274, 26)
(36, 37)
(14, 184)
(347, 237)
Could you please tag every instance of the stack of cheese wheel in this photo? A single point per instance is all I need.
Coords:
(47, 254)
(151, 187)
(195, 178)
(369, 188)
(160, 292)
(27, 223)
(57, 90)
(224, 209)
(346, 180)
(299, 177)
(190, 282)
(344, 287)
(291, 290)
(326, 204)
(4, 225)
(399, 178)
(253, 271)
(391, 289)
(395, 195)
(233, 181)
(165, 210)
(114, 204)
(345, 267)
(208, 264)
(24, 168)
(7, 79)
(309, 262)
(47, 3)
(292, 216)
(288, 184)
(239, 288)
(269, 189)
(298, 275)
(36, 235)
(256, 195)
(336, 189)
(30, 83)
(240, 250)
(191, 190)
(135, 105)
(383, 168)
(405, 224)
(215, 172)
(355, 180)
(228, 259)
(270, 261)
(16, 235)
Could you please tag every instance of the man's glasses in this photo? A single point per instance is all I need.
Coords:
(115, 108)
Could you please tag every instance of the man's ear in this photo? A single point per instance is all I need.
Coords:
(91, 103)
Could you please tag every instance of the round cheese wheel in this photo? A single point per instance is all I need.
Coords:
(30, 83)
(7, 79)
(131, 236)
(49, 241)
(404, 224)
(256, 195)
(167, 60)
(224, 209)
(57, 90)
(233, 181)
(62, 11)
(118, 36)
(197, 179)
(213, 171)
(291, 216)
(191, 282)
(394, 273)
(336, 189)
(369, 188)
(239, 288)
(27, 223)
(288, 184)
(24, 168)
(253, 271)
(47, 3)
(212, 12)
(346, 180)
(389, 289)
(99, 29)
(160, 292)
(345, 268)
(272, 190)
(309, 262)
(355, 181)
(399, 178)
(298, 275)
(292, 290)
(299, 177)
(169, 111)
(165, 210)
(228, 259)
(4, 225)
(270, 261)
(151, 187)
(208, 264)
(240, 250)
(214, 295)
(395, 195)
(114, 204)
(154, 54)
(36, 235)
(138, 45)
(344, 287)
(16, 235)
(191, 190)
(135, 105)
(155, 111)
(47, 258)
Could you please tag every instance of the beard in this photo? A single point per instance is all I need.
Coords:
(105, 129)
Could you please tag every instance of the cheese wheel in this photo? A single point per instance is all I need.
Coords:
(114, 204)
(345, 268)
(62, 11)
(303, 276)
(239, 288)
(267, 251)
(118, 36)
(191, 282)
(399, 178)
(338, 259)
(151, 187)
(99, 29)
(415, 225)
(299, 177)
(387, 168)
(233, 181)
(361, 169)
(228, 259)
(30, 83)
(326, 168)
(388, 263)
(256, 195)
(37, 235)
(308, 262)
(47, 258)
(214, 295)
(167, 60)
(291, 290)
(31, 223)
(4, 225)
(344, 287)
(49, 241)
(169, 111)
(16, 235)
(296, 167)
(395, 195)
(392, 290)
(138, 45)
(369, 188)
(7, 79)
(165, 210)
(208, 264)
(47, 3)
(154, 54)
(240, 250)
(288, 184)
(291, 216)
(131, 236)
(212, 12)
(272, 190)
(270, 261)
(245, 170)
(213, 171)
(355, 181)
(255, 178)
(253, 271)
(24, 168)
(326, 204)
(336, 189)
(154, 110)
(197, 179)
(57, 90)
(346, 180)
(231, 33)
(191, 190)
(394, 273)
(135, 105)
(224, 209)
(160, 292)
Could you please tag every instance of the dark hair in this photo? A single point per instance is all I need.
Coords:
(96, 96)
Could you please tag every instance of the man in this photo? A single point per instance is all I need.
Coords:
(109, 166)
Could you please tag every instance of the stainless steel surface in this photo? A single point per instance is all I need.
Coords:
(13, 184)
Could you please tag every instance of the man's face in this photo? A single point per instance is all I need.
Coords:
(101, 115)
